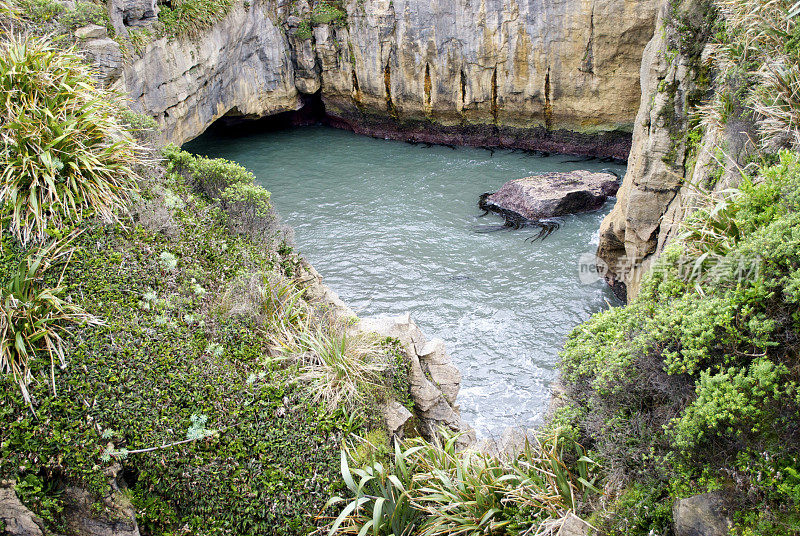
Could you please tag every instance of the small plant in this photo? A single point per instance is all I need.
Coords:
(33, 316)
(273, 301)
(340, 367)
(196, 432)
(141, 125)
(168, 261)
(63, 155)
(191, 17)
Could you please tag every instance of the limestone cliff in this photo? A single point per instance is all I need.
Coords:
(666, 169)
(540, 74)
(240, 66)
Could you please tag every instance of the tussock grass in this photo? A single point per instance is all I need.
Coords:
(34, 315)
(761, 46)
(341, 367)
(64, 155)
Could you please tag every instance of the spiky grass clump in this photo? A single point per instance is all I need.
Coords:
(33, 315)
(342, 367)
(761, 46)
(64, 155)
(430, 489)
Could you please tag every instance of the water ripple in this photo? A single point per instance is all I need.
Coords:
(390, 226)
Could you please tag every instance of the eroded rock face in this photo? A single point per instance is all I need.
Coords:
(127, 13)
(16, 518)
(555, 75)
(701, 515)
(551, 195)
(657, 192)
(434, 379)
(240, 66)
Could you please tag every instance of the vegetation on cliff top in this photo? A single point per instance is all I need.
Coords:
(694, 385)
(170, 313)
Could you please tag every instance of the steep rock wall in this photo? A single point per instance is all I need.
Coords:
(541, 74)
(545, 74)
(667, 172)
(240, 66)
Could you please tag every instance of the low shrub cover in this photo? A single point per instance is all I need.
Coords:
(695, 383)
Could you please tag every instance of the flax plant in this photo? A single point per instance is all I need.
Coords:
(431, 489)
(34, 315)
(63, 153)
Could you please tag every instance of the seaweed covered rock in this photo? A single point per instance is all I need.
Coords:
(550, 195)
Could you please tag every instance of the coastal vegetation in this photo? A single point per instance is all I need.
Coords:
(693, 386)
(147, 307)
(158, 348)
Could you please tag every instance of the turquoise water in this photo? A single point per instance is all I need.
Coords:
(392, 228)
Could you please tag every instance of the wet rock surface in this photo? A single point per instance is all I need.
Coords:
(550, 195)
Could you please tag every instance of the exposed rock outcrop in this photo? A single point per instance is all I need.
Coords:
(664, 169)
(435, 381)
(701, 515)
(15, 517)
(551, 195)
(127, 13)
(119, 519)
(634, 234)
(240, 66)
(555, 75)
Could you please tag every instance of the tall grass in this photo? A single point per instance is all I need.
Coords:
(762, 37)
(340, 366)
(64, 155)
(430, 489)
(34, 315)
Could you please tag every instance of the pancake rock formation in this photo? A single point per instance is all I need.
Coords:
(552, 75)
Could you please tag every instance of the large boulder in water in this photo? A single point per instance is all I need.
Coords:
(550, 195)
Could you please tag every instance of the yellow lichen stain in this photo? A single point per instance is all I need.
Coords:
(521, 60)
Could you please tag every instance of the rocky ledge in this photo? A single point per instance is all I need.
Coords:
(550, 195)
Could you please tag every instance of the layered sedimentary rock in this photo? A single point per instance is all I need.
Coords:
(666, 173)
(540, 74)
(547, 74)
(240, 66)
(550, 195)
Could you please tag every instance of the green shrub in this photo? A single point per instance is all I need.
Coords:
(86, 13)
(304, 31)
(210, 176)
(190, 18)
(703, 363)
(325, 13)
(63, 154)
